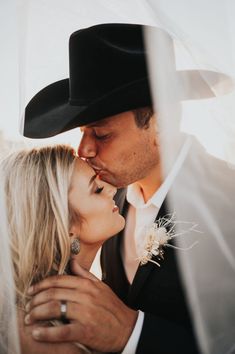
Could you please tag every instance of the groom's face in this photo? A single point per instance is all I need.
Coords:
(120, 151)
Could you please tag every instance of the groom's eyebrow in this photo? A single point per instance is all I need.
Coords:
(100, 124)
(92, 179)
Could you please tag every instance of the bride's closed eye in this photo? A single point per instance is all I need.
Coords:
(99, 190)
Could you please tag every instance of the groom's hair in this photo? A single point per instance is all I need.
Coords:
(143, 116)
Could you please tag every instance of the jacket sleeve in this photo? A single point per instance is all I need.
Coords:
(160, 336)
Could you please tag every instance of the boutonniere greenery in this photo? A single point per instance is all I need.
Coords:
(159, 235)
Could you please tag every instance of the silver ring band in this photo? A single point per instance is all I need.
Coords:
(63, 311)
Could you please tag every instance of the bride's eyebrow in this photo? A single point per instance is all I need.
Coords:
(92, 179)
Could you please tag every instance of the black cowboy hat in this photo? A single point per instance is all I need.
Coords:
(108, 75)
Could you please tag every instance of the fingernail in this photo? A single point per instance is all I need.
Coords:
(27, 307)
(30, 290)
(27, 319)
(36, 334)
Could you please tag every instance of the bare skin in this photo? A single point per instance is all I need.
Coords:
(93, 199)
(92, 308)
(121, 153)
(29, 345)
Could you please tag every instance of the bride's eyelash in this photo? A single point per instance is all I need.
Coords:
(99, 190)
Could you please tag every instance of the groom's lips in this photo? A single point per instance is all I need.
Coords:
(96, 168)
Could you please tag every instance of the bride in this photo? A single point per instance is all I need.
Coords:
(58, 210)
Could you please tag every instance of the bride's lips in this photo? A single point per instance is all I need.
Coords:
(115, 208)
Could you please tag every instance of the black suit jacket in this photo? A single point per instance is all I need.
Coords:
(157, 291)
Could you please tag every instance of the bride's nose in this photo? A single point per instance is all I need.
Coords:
(111, 190)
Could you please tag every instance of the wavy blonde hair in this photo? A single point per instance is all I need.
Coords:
(36, 184)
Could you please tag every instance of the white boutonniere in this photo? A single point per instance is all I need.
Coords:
(159, 235)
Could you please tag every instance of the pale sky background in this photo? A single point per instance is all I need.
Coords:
(9, 100)
(9, 81)
(49, 25)
(10, 72)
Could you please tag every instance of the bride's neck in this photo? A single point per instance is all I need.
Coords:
(87, 255)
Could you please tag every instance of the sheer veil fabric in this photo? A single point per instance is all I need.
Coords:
(204, 190)
(191, 35)
(9, 342)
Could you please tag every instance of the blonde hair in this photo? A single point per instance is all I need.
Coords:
(36, 184)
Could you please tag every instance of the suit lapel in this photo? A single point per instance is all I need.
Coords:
(111, 261)
(143, 271)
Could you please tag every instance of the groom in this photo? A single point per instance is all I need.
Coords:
(109, 97)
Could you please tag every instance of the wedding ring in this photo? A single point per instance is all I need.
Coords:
(63, 311)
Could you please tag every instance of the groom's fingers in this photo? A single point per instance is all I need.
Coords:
(61, 281)
(55, 294)
(99, 318)
(52, 311)
(56, 281)
(56, 334)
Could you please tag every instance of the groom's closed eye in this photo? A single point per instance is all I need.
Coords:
(102, 136)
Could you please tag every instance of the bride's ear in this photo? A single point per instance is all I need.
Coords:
(74, 230)
(75, 245)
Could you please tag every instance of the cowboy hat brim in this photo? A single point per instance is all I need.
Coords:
(50, 112)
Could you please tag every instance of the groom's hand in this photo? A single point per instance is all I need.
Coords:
(98, 318)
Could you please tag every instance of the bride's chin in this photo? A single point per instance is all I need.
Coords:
(122, 223)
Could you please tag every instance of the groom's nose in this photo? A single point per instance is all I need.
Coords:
(87, 147)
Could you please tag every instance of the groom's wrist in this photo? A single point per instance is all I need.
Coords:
(131, 345)
(127, 328)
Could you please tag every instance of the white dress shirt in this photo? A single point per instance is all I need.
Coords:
(141, 216)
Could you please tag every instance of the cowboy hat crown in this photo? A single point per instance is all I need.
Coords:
(108, 75)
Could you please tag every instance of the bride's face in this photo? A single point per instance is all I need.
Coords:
(92, 199)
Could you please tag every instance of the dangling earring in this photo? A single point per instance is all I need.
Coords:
(75, 246)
